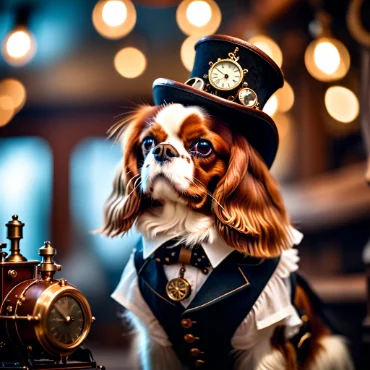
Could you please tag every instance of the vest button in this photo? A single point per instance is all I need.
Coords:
(195, 352)
(200, 363)
(186, 323)
(189, 338)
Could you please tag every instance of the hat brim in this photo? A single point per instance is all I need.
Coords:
(258, 127)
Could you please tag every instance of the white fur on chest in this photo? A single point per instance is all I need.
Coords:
(177, 220)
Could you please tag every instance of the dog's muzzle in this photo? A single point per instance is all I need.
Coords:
(165, 152)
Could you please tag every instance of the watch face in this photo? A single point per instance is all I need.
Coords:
(225, 75)
(248, 97)
(65, 321)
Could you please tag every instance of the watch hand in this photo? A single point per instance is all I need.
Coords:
(220, 71)
(60, 311)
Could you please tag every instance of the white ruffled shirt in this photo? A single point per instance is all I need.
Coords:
(272, 307)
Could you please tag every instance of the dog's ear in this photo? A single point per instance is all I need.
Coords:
(125, 202)
(249, 210)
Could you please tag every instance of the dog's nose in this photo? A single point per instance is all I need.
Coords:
(164, 152)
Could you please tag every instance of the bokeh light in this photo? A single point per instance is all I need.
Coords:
(114, 13)
(285, 97)
(18, 44)
(327, 59)
(283, 166)
(271, 106)
(6, 110)
(198, 18)
(14, 90)
(284, 124)
(19, 47)
(199, 13)
(268, 46)
(187, 52)
(342, 104)
(130, 62)
(114, 19)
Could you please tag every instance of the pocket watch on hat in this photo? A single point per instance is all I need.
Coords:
(226, 79)
(226, 74)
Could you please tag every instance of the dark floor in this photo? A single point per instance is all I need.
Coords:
(112, 359)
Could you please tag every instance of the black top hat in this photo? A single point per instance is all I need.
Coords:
(232, 80)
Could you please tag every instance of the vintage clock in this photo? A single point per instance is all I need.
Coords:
(43, 321)
(226, 78)
(225, 74)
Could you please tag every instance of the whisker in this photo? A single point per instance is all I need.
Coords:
(133, 177)
(206, 191)
(135, 187)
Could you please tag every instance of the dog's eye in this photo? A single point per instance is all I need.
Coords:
(202, 148)
(148, 144)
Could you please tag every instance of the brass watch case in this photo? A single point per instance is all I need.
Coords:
(255, 101)
(219, 61)
(178, 289)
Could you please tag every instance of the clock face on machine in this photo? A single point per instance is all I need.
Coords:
(66, 320)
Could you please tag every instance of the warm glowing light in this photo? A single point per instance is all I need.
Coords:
(268, 46)
(283, 124)
(6, 111)
(114, 13)
(18, 44)
(327, 59)
(114, 19)
(199, 13)
(271, 106)
(198, 18)
(285, 97)
(19, 47)
(14, 90)
(342, 104)
(130, 62)
(283, 166)
(187, 52)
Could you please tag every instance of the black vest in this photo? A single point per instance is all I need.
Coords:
(201, 334)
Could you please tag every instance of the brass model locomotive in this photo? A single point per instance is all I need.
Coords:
(43, 321)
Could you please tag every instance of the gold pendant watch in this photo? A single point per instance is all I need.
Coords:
(178, 288)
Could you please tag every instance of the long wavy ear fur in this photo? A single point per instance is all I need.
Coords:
(125, 202)
(249, 210)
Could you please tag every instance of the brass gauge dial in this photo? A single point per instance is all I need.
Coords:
(65, 320)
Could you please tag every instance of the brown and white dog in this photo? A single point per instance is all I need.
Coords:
(212, 185)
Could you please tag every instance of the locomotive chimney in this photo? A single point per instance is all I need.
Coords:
(48, 267)
(15, 234)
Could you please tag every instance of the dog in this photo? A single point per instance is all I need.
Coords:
(187, 177)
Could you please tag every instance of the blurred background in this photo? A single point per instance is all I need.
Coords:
(70, 69)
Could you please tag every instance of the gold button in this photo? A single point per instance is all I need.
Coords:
(199, 363)
(189, 338)
(194, 352)
(186, 323)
